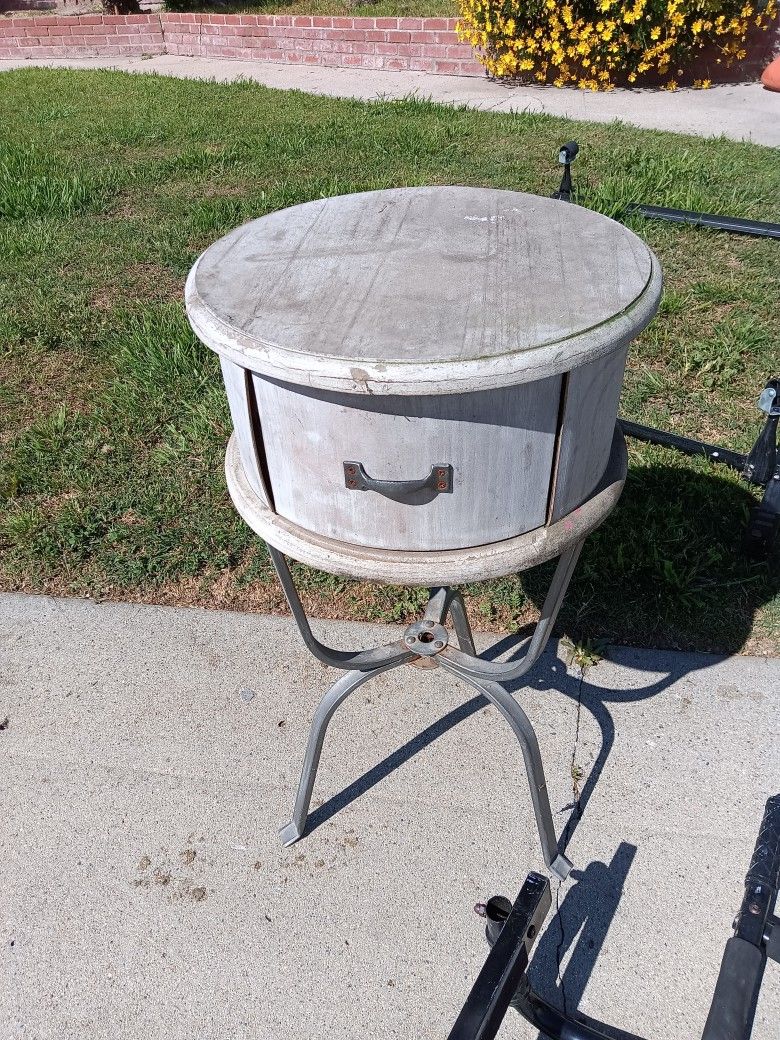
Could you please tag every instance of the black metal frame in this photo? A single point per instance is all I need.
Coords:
(761, 466)
(512, 929)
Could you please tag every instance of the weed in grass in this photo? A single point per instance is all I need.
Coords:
(585, 654)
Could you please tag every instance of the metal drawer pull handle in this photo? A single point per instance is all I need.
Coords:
(439, 480)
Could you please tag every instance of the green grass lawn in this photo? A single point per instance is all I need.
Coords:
(112, 417)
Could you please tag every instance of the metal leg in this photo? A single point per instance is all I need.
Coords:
(524, 731)
(461, 623)
(364, 660)
(429, 638)
(337, 694)
(467, 664)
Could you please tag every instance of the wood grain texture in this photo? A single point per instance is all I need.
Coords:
(500, 444)
(589, 413)
(236, 387)
(423, 290)
(452, 567)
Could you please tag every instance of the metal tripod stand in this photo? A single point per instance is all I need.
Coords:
(429, 639)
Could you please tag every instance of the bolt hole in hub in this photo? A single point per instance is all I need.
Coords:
(426, 638)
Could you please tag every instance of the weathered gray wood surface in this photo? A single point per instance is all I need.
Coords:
(485, 330)
(236, 387)
(423, 290)
(444, 567)
(591, 405)
(500, 444)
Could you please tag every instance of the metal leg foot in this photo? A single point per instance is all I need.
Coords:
(338, 693)
(524, 731)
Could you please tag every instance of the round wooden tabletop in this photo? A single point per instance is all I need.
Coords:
(423, 290)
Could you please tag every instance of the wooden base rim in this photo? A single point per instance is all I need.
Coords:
(442, 567)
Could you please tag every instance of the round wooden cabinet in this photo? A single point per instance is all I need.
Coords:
(423, 369)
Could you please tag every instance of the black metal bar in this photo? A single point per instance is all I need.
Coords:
(484, 1010)
(744, 960)
(736, 225)
(555, 1025)
(686, 445)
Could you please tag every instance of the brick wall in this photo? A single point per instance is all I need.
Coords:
(391, 44)
(88, 35)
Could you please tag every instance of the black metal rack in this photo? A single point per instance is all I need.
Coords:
(511, 930)
(761, 466)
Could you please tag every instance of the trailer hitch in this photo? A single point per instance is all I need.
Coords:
(511, 930)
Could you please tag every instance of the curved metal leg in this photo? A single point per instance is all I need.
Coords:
(364, 660)
(467, 666)
(524, 731)
(460, 621)
(337, 694)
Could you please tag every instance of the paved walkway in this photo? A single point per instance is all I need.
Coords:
(148, 755)
(741, 112)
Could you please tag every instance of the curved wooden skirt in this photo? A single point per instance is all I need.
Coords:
(441, 567)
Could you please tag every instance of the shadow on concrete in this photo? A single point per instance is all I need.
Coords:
(579, 930)
(548, 674)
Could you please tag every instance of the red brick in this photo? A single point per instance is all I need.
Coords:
(232, 19)
(282, 19)
(386, 48)
(59, 30)
(434, 51)
(377, 35)
(342, 23)
(446, 68)
(302, 22)
(396, 36)
(323, 23)
(388, 23)
(396, 64)
(436, 23)
(364, 23)
(410, 23)
(91, 19)
(114, 19)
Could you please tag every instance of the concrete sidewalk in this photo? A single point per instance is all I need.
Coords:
(740, 112)
(145, 895)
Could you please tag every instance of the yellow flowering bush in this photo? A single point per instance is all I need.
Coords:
(595, 44)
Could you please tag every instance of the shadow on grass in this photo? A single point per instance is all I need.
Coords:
(668, 569)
